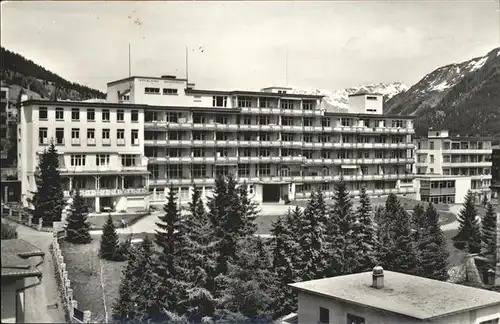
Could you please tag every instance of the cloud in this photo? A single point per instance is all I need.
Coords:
(387, 42)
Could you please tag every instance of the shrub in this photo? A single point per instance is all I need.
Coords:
(8, 231)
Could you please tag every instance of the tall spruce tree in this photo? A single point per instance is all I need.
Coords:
(489, 235)
(396, 247)
(364, 242)
(340, 235)
(249, 209)
(77, 229)
(432, 253)
(48, 200)
(137, 291)
(109, 240)
(168, 239)
(311, 240)
(284, 247)
(468, 237)
(418, 221)
(197, 262)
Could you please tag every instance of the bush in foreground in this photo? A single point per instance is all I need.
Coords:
(8, 231)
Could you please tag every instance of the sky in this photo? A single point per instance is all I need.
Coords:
(250, 45)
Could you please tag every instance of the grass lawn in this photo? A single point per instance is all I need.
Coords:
(96, 222)
(82, 263)
(456, 256)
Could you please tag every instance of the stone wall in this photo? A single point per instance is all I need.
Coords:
(69, 303)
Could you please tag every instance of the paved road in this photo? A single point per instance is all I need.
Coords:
(38, 297)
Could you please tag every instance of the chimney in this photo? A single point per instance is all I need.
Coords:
(378, 277)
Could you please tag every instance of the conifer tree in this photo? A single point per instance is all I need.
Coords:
(340, 233)
(311, 241)
(48, 200)
(167, 238)
(468, 237)
(396, 247)
(77, 230)
(489, 235)
(418, 221)
(109, 240)
(283, 246)
(364, 242)
(432, 253)
(137, 291)
(249, 209)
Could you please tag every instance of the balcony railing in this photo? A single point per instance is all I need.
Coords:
(108, 192)
(103, 168)
(75, 141)
(467, 164)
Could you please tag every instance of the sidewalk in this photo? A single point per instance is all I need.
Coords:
(39, 297)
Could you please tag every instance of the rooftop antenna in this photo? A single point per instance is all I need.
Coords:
(129, 61)
(187, 73)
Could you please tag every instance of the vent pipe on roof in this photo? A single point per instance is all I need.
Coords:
(378, 277)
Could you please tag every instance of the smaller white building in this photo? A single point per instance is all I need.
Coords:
(393, 298)
(439, 189)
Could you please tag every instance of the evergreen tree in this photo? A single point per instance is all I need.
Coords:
(137, 291)
(109, 240)
(396, 248)
(340, 234)
(432, 253)
(196, 263)
(48, 200)
(77, 230)
(468, 237)
(249, 209)
(284, 247)
(364, 242)
(249, 286)
(168, 239)
(418, 221)
(489, 235)
(312, 251)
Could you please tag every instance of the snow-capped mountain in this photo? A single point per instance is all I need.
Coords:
(463, 97)
(338, 99)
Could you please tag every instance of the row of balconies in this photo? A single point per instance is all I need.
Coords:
(279, 179)
(281, 111)
(276, 143)
(103, 168)
(108, 192)
(286, 128)
(275, 159)
(374, 192)
(78, 141)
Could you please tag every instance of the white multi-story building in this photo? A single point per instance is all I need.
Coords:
(447, 167)
(282, 144)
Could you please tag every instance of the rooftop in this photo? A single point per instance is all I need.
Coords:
(364, 93)
(15, 254)
(402, 294)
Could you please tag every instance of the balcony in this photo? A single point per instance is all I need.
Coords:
(120, 141)
(373, 192)
(103, 169)
(90, 141)
(106, 141)
(75, 141)
(109, 192)
(467, 164)
(468, 151)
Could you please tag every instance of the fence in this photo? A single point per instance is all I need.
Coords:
(70, 304)
(23, 217)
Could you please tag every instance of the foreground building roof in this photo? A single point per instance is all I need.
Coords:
(402, 294)
(15, 254)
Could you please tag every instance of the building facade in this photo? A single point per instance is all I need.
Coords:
(281, 144)
(453, 164)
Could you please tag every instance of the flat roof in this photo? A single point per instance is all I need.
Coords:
(347, 114)
(402, 294)
(143, 77)
(14, 258)
(254, 93)
(365, 94)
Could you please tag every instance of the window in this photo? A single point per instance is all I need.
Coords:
(219, 101)
(264, 169)
(247, 120)
(264, 120)
(75, 114)
(42, 136)
(286, 104)
(431, 145)
(167, 91)
(287, 121)
(354, 319)
(324, 314)
(102, 159)
(246, 152)
(120, 115)
(492, 321)
(325, 122)
(265, 103)
(308, 138)
(173, 152)
(199, 152)
(221, 170)
(264, 152)
(244, 102)
(199, 171)
(105, 115)
(42, 113)
(287, 137)
(134, 116)
(307, 105)
(432, 158)
(198, 118)
(174, 171)
(198, 136)
(90, 133)
(77, 160)
(90, 114)
(135, 136)
(128, 160)
(59, 136)
(152, 90)
(243, 170)
(105, 137)
(265, 137)
(59, 113)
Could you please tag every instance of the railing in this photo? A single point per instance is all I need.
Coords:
(75, 141)
(108, 192)
(104, 168)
